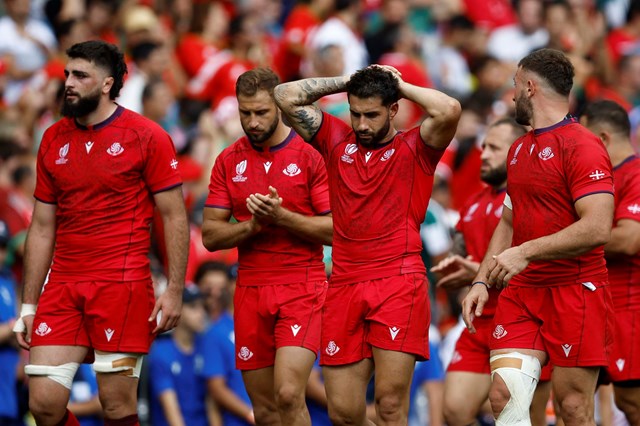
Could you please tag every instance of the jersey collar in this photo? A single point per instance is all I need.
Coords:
(117, 113)
(278, 147)
(568, 119)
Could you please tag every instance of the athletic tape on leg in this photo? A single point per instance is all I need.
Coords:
(62, 374)
(126, 364)
(520, 373)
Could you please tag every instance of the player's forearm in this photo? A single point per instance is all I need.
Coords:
(317, 229)
(171, 408)
(219, 235)
(434, 102)
(307, 91)
(578, 238)
(226, 399)
(176, 229)
(622, 242)
(38, 253)
(500, 241)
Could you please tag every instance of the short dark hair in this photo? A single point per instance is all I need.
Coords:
(516, 128)
(610, 113)
(104, 55)
(373, 82)
(212, 266)
(250, 82)
(552, 66)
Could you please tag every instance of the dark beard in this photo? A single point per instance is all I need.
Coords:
(524, 112)
(259, 139)
(495, 177)
(83, 106)
(377, 137)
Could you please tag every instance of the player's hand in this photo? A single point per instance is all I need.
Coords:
(24, 336)
(506, 265)
(167, 309)
(266, 209)
(473, 304)
(388, 68)
(456, 271)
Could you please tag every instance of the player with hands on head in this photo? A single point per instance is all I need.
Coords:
(376, 316)
(547, 253)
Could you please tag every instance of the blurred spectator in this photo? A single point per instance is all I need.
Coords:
(224, 381)
(178, 391)
(213, 278)
(328, 61)
(392, 13)
(626, 39)
(343, 29)
(84, 401)
(317, 397)
(8, 349)
(150, 62)
(512, 42)
(427, 388)
(303, 19)
(489, 14)
(101, 16)
(25, 46)
(159, 104)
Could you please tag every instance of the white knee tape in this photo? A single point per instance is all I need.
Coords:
(520, 373)
(126, 364)
(62, 374)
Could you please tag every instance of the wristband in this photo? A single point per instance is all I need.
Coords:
(480, 282)
(26, 310)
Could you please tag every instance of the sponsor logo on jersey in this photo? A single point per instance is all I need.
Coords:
(332, 348)
(546, 154)
(88, 145)
(367, 156)
(597, 175)
(109, 333)
(295, 329)
(499, 332)
(292, 170)
(620, 364)
(567, 348)
(245, 354)
(267, 166)
(62, 154)
(43, 329)
(387, 154)
(514, 160)
(241, 167)
(349, 150)
(115, 149)
(394, 332)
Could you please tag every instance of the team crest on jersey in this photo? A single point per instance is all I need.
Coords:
(387, 154)
(349, 150)
(546, 154)
(241, 167)
(597, 174)
(115, 149)
(245, 353)
(62, 153)
(514, 160)
(292, 170)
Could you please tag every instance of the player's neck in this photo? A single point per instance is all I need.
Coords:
(104, 111)
(548, 113)
(620, 153)
(279, 136)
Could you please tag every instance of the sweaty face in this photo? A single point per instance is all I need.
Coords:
(495, 149)
(259, 116)
(82, 88)
(370, 120)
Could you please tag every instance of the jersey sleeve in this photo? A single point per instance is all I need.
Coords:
(428, 157)
(45, 189)
(331, 132)
(319, 186)
(587, 168)
(628, 204)
(212, 352)
(161, 166)
(219, 196)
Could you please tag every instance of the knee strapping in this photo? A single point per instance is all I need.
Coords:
(126, 364)
(62, 374)
(520, 374)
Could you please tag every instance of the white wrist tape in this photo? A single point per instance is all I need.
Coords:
(26, 310)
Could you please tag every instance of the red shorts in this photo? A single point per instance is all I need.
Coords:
(472, 351)
(624, 361)
(269, 317)
(107, 316)
(572, 323)
(388, 313)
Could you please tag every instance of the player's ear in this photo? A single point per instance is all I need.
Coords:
(107, 84)
(393, 109)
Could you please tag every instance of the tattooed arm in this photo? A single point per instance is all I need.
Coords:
(296, 99)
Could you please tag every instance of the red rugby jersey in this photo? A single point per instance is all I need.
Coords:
(379, 198)
(296, 170)
(477, 222)
(549, 169)
(624, 271)
(102, 179)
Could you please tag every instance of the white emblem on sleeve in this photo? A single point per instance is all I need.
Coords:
(597, 175)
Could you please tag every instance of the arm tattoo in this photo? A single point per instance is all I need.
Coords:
(312, 89)
(308, 121)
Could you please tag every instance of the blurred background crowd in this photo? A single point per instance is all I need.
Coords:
(184, 57)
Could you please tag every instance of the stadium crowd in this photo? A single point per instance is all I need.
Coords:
(184, 57)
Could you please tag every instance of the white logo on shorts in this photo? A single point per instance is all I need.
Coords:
(620, 364)
(295, 328)
(394, 332)
(109, 333)
(499, 332)
(567, 348)
(245, 353)
(332, 348)
(43, 329)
